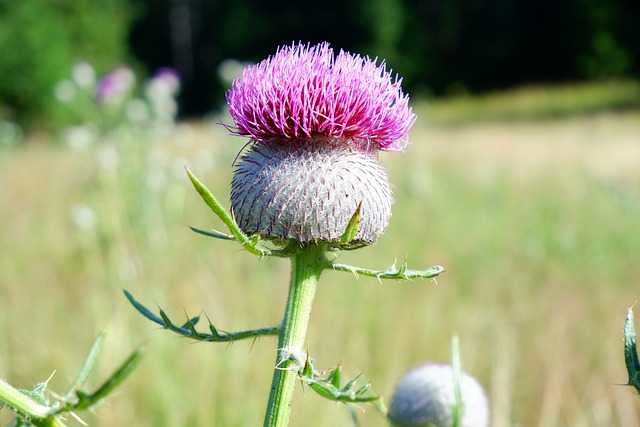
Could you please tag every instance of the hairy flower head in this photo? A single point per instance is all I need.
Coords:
(316, 122)
(306, 91)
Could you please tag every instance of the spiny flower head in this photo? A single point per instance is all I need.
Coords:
(306, 91)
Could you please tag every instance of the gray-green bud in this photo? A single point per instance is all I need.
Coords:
(309, 189)
(425, 397)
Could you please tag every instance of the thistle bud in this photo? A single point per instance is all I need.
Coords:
(425, 397)
(310, 192)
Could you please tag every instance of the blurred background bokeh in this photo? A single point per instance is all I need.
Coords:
(522, 179)
(440, 48)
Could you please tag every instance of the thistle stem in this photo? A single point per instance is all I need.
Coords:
(306, 267)
(26, 407)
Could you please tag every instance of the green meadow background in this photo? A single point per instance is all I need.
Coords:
(536, 217)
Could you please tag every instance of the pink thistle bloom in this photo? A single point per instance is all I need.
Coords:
(306, 91)
(115, 86)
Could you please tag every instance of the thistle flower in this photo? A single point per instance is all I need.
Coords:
(115, 86)
(304, 91)
(310, 181)
(165, 79)
(425, 397)
(316, 122)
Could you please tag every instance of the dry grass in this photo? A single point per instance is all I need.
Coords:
(536, 222)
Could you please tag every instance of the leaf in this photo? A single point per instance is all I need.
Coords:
(212, 233)
(214, 331)
(144, 310)
(335, 377)
(191, 323)
(119, 375)
(165, 319)
(221, 213)
(363, 390)
(352, 227)
(349, 385)
(307, 370)
(89, 364)
(324, 391)
(631, 352)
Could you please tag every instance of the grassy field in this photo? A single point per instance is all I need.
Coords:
(537, 223)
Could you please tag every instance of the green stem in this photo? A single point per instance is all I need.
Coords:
(458, 408)
(392, 272)
(306, 266)
(26, 407)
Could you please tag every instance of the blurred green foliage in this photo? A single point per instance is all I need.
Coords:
(439, 47)
(41, 39)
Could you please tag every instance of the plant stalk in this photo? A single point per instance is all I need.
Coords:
(306, 267)
(26, 407)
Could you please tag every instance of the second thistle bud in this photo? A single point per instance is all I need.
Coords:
(425, 397)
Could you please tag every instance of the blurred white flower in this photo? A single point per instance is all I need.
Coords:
(230, 69)
(161, 90)
(165, 82)
(108, 157)
(83, 74)
(80, 137)
(65, 91)
(165, 109)
(10, 133)
(84, 217)
(137, 112)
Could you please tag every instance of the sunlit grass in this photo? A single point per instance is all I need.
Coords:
(536, 223)
(538, 102)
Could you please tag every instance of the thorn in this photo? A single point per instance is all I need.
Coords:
(78, 419)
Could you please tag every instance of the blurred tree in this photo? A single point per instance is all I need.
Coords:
(247, 30)
(41, 39)
(604, 47)
(438, 46)
(384, 22)
(451, 45)
(485, 44)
